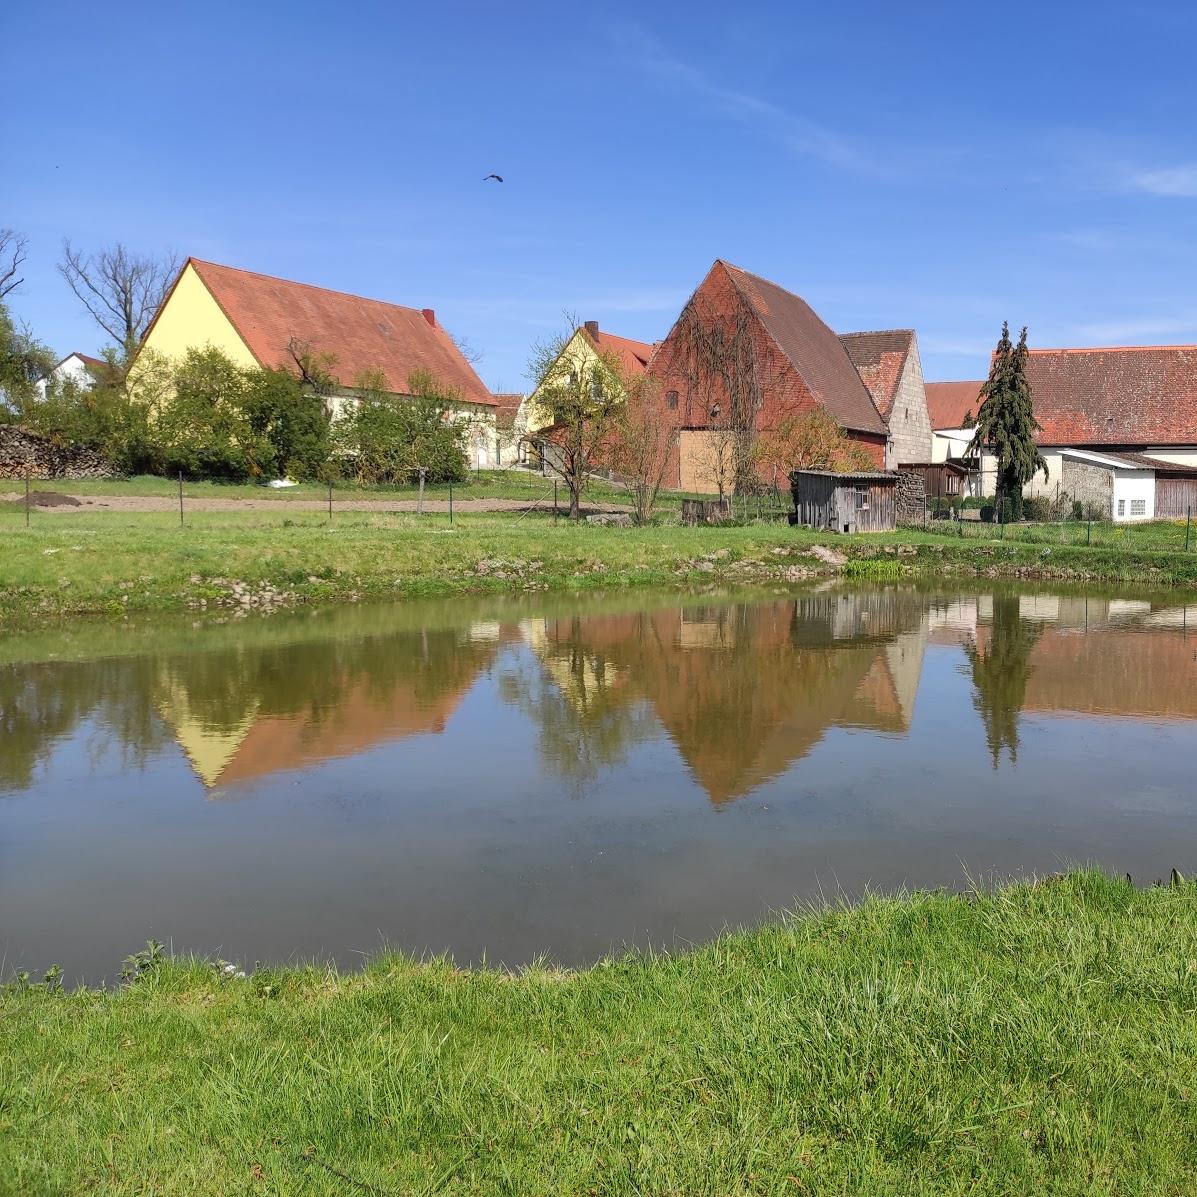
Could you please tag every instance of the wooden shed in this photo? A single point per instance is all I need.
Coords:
(864, 502)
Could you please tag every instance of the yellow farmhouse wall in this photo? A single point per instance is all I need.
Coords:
(192, 319)
(577, 354)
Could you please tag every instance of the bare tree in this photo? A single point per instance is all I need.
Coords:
(13, 247)
(471, 355)
(580, 391)
(642, 442)
(121, 290)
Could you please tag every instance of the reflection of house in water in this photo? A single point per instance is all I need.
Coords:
(1095, 656)
(266, 718)
(744, 691)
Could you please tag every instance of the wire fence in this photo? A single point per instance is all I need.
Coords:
(1146, 536)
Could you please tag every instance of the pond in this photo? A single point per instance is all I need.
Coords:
(566, 777)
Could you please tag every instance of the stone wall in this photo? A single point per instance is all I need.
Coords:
(909, 421)
(910, 499)
(1093, 485)
(22, 452)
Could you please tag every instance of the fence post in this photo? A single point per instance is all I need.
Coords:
(180, 498)
(1188, 523)
(1089, 532)
(26, 496)
(420, 500)
(554, 500)
(924, 509)
(450, 504)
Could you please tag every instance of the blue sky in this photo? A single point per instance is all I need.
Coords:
(941, 166)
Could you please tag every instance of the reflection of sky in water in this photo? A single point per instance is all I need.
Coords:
(565, 786)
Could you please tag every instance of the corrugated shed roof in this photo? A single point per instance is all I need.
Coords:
(363, 334)
(880, 358)
(949, 402)
(815, 352)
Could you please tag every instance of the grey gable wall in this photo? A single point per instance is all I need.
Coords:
(909, 420)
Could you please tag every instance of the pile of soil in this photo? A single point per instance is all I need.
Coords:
(49, 498)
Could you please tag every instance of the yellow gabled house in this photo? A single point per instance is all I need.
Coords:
(257, 320)
(584, 347)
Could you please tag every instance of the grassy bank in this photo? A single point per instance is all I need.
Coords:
(113, 563)
(1034, 1039)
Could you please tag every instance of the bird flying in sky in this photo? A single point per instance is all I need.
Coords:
(497, 178)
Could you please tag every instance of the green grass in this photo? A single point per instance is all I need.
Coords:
(1151, 536)
(521, 485)
(114, 563)
(1036, 1039)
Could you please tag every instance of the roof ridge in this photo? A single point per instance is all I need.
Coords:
(292, 282)
(868, 395)
(1113, 348)
(876, 332)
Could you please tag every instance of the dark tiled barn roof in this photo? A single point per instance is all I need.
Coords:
(814, 351)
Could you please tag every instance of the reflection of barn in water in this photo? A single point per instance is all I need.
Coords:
(745, 691)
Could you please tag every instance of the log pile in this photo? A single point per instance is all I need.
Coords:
(911, 497)
(23, 451)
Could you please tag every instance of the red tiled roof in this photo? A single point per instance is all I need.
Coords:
(814, 351)
(879, 358)
(632, 355)
(363, 334)
(507, 404)
(949, 402)
(1120, 396)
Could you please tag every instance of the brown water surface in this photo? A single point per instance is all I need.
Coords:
(506, 781)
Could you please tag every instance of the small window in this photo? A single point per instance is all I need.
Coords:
(862, 498)
(1121, 506)
(671, 400)
(596, 389)
(1138, 506)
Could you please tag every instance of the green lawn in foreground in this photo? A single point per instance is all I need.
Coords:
(1039, 1039)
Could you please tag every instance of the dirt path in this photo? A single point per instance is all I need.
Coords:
(145, 503)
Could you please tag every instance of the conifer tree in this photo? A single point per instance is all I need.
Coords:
(1006, 424)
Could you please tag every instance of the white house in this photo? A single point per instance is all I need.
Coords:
(79, 368)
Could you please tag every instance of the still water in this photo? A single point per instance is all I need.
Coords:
(565, 778)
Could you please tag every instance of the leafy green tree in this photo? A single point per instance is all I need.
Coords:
(386, 438)
(201, 425)
(290, 419)
(1006, 424)
(23, 361)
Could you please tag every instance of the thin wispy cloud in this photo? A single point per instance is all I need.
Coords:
(1171, 181)
(796, 132)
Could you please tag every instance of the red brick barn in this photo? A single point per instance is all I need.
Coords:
(744, 355)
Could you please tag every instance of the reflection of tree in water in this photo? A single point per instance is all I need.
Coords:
(1000, 673)
(587, 720)
(40, 704)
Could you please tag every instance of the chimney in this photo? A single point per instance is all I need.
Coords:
(430, 316)
(592, 329)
